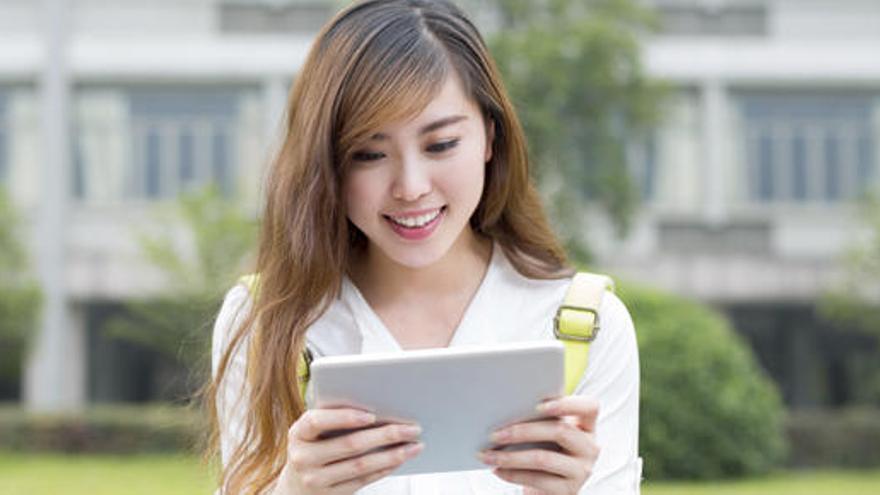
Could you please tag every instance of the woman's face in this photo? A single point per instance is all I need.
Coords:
(412, 187)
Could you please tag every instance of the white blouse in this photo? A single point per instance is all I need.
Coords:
(507, 307)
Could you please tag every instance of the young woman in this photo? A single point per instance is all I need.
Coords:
(400, 215)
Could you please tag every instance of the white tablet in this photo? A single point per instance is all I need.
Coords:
(459, 396)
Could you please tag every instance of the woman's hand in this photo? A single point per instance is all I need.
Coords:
(318, 463)
(544, 471)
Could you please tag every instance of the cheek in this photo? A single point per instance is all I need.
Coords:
(468, 175)
(359, 196)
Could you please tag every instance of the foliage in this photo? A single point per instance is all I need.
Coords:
(176, 324)
(20, 299)
(840, 438)
(856, 300)
(103, 429)
(12, 255)
(708, 411)
(574, 71)
(854, 303)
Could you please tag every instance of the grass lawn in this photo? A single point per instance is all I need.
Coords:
(178, 475)
(46, 474)
(786, 483)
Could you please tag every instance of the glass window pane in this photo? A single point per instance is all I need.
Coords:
(79, 173)
(799, 166)
(765, 169)
(220, 152)
(787, 164)
(832, 167)
(189, 138)
(186, 160)
(152, 166)
(865, 162)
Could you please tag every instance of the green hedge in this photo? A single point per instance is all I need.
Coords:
(840, 438)
(103, 429)
(19, 308)
(847, 438)
(707, 409)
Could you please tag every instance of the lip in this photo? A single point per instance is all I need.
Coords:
(413, 213)
(417, 234)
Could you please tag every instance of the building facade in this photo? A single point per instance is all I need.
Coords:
(108, 108)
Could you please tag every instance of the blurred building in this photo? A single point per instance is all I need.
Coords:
(773, 131)
(107, 108)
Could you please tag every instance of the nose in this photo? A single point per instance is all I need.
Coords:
(412, 179)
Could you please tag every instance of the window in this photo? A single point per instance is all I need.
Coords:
(701, 18)
(807, 147)
(273, 16)
(181, 139)
(643, 167)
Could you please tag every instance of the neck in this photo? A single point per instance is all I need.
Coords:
(381, 279)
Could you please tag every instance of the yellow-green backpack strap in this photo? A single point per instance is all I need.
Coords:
(577, 323)
(251, 281)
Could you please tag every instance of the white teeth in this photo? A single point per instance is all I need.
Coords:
(419, 221)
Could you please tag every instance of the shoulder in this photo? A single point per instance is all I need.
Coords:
(614, 314)
(614, 355)
(233, 311)
(236, 305)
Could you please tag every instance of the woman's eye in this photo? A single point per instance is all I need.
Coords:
(366, 156)
(441, 147)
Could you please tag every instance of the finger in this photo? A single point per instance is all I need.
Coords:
(536, 460)
(365, 465)
(536, 480)
(568, 436)
(313, 422)
(585, 408)
(357, 443)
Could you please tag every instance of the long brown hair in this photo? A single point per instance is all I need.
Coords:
(375, 62)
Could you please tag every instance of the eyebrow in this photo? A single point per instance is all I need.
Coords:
(433, 126)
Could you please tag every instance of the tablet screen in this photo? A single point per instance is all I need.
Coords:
(459, 396)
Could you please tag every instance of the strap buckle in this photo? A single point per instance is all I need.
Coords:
(570, 336)
(305, 362)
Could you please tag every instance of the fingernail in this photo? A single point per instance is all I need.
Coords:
(412, 430)
(414, 449)
(487, 457)
(500, 436)
(547, 407)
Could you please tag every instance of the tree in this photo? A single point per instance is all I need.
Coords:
(574, 71)
(177, 323)
(854, 302)
(20, 301)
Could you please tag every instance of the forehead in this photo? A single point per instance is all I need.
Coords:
(449, 100)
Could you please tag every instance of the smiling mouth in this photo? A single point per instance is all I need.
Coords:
(416, 222)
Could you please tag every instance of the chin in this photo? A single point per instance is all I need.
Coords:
(416, 256)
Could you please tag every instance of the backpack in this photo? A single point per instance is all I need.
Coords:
(576, 324)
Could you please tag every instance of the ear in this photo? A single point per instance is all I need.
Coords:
(490, 138)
